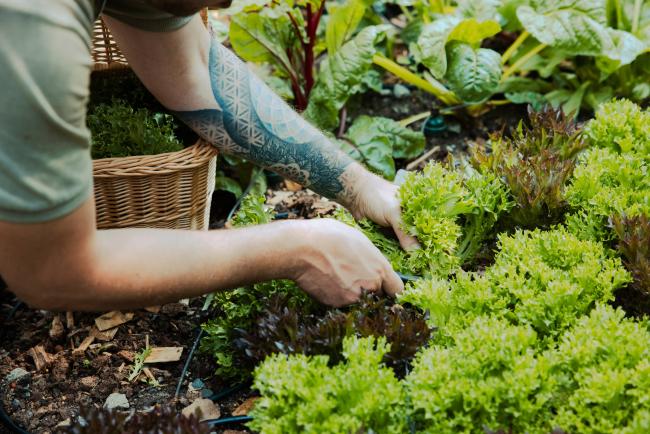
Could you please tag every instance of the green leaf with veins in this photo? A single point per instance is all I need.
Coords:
(432, 43)
(341, 76)
(474, 73)
(626, 48)
(256, 38)
(594, 9)
(222, 182)
(479, 9)
(473, 32)
(378, 140)
(577, 27)
(343, 21)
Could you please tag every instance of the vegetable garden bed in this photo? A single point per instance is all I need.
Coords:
(525, 309)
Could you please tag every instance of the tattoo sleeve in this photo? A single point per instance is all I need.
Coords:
(256, 124)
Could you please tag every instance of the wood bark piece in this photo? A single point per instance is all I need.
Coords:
(41, 357)
(69, 320)
(245, 407)
(83, 346)
(112, 319)
(164, 355)
(56, 329)
(153, 309)
(104, 336)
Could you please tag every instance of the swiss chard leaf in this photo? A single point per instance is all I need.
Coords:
(624, 49)
(473, 73)
(341, 76)
(257, 38)
(379, 140)
(432, 43)
(479, 9)
(343, 21)
(580, 28)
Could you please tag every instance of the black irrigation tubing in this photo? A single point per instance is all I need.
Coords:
(281, 216)
(227, 421)
(228, 391)
(187, 362)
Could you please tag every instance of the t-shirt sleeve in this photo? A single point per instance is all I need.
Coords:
(45, 163)
(138, 14)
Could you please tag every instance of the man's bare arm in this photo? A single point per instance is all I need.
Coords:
(217, 95)
(67, 264)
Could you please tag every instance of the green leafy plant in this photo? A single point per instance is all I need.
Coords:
(302, 394)
(448, 45)
(570, 54)
(377, 141)
(290, 36)
(601, 375)
(604, 43)
(161, 420)
(536, 164)
(605, 184)
(543, 279)
(341, 75)
(450, 215)
(622, 126)
(118, 130)
(488, 378)
(252, 212)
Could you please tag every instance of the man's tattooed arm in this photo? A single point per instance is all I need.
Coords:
(256, 124)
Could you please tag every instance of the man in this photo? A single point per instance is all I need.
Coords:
(51, 254)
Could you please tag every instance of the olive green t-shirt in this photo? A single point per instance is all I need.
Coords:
(45, 65)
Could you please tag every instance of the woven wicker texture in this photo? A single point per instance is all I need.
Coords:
(105, 52)
(172, 190)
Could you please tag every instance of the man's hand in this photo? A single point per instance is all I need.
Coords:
(369, 196)
(337, 263)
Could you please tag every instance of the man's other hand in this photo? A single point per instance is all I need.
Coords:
(336, 263)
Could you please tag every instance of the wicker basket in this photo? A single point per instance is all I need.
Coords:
(105, 52)
(172, 190)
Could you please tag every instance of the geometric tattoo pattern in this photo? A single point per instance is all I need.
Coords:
(256, 124)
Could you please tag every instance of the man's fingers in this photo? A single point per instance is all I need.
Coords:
(392, 284)
(407, 241)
